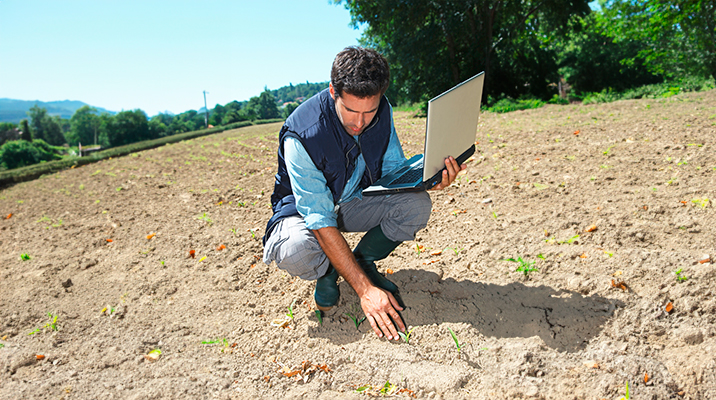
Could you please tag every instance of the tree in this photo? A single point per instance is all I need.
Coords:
(8, 131)
(45, 127)
(26, 132)
(266, 106)
(432, 45)
(128, 127)
(680, 35)
(84, 126)
(289, 109)
(591, 61)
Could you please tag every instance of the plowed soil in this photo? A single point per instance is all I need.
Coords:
(608, 202)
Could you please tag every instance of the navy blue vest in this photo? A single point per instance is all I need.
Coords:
(333, 151)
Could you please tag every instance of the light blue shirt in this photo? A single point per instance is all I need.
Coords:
(314, 200)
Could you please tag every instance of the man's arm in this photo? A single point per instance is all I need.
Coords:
(378, 305)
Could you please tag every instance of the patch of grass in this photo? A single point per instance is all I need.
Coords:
(508, 104)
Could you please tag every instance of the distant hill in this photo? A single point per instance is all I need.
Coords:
(14, 111)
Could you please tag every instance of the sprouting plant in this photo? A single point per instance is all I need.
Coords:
(24, 256)
(233, 231)
(353, 315)
(568, 241)
(454, 337)
(319, 315)
(290, 310)
(51, 325)
(609, 253)
(494, 215)
(387, 389)
(118, 189)
(540, 255)
(44, 219)
(540, 186)
(419, 248)
(205, 218)
(525, 266)
(701, 202)
(253, 233)
(606, 152)
(222, 340)
(679, 277)
(406, 336)
(456, 249)
(626, 397)
(161, 262)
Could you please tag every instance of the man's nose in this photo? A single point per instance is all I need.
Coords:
(360, 121)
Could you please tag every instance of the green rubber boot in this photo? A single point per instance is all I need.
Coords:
(327, 292)
(373, 247)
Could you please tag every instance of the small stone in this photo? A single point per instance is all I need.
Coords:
(692, 336)
(67, 283)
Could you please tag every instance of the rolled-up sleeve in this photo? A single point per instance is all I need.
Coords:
(314, 200)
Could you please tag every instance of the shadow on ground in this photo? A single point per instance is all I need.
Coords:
(564, 320)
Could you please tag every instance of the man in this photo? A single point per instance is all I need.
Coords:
(330, 148)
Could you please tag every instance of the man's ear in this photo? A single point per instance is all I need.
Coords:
(331, 90)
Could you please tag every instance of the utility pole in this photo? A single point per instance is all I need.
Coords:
(206, 110)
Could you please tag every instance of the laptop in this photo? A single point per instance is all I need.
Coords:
(451, 129)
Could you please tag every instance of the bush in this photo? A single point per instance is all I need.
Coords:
(507, 104)
(19, 153)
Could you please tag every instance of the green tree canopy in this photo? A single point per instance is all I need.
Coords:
(85, 126)
(434, 45)
(128, 127)
(45, 127)
(679, 35)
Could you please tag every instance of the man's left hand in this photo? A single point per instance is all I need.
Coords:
(449, 173)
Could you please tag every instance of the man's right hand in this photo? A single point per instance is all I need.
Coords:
(379, 307)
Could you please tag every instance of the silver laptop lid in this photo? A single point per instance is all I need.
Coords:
(452, 123)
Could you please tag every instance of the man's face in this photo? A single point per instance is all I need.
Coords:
(355, 113)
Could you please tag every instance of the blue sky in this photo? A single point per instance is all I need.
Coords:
(160, 55)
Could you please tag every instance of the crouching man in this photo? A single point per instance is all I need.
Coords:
(332, 147)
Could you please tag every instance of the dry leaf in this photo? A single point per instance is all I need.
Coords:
(151, 235)
(617, 273)
(576, 132)
(683, 201)
(8, 216)
(584, 255)
(109, 240)
(621, 285)
(704, 261)
(192, 253)
(645, 208)
(39, 356)
(222, 247)
(646, 377)
(267, 378)
(389, 271)
(669, 307)
(592, 228)
(436, 252)
(431, 262)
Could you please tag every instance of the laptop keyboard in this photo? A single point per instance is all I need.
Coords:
(409, 177)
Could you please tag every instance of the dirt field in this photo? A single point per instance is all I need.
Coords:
(609, 201)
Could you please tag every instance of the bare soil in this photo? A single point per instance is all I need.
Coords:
(607, 200)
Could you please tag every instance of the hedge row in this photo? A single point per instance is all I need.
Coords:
(34, 171)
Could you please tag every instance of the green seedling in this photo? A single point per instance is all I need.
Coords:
(525, 266)
(455, 250)
(353, 315)
(24, 256)
(2, 345)
(606, 152)
(567, 241)
(679, 277)
(682, 163)
(118, 189)
(253, 233)
(52, 325)
(540, 186)
(205, 218)
(290, 310)
(608, 253)
(494, 215)
(454, 337)
(44, 219)
(363, 388)
(540, 255)
(223, 340)
(701, 202)
(319, 316)
(233, 231)
(202, 259)
(626, 396)
(387, 389)
(161, 262)
(406, 336)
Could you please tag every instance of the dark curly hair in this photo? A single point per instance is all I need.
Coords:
(360, 72)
